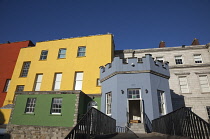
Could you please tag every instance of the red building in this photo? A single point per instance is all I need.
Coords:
(8, 56)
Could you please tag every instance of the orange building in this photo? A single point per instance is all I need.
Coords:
(8, 56)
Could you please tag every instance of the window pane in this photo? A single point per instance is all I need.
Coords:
(78, 81)
(57, 82)
(19, 88)
(38, 82)
(81, 51)
(178, 59)
(204, 83)
(56, 106)
(62, 53)
(25, 68)
(134, 93)
(108, 103)
(30, 105)
(43, 55)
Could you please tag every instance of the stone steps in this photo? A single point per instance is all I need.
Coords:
(137, 127)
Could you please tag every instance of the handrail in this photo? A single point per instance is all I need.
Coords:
(182, 122)
(93, 123)
(147, 123)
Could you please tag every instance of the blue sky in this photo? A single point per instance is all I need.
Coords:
(136, 24)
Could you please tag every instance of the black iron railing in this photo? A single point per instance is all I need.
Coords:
(120, 129)
(91, 124)
(182, 122)
(147, 124)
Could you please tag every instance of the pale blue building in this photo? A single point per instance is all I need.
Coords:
(134, 86)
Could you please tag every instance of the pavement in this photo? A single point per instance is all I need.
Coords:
(153, 135)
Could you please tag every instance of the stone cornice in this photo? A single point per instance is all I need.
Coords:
(48, 92)
(134, 72)
(189, 66)
(180, 48)
(203, 72)
(182, 73)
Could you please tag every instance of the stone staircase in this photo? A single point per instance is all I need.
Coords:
(137, 127)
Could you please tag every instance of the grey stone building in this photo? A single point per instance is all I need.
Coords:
(189, 73)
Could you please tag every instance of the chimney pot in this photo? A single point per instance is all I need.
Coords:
(162, 44)
(195, 42)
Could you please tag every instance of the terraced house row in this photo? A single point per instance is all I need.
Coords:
(49, 86)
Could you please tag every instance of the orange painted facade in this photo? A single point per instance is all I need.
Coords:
(8, 56)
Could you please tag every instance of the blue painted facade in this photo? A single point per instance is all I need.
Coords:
(147, 75)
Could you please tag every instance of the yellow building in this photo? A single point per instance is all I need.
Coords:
(65, 64)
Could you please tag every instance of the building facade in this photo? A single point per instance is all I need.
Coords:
(135, 87)
(190, 74)
(47, 114)
(45, 72)
(8, 56)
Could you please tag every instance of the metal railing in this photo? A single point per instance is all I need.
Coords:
(93, 123)
(147, 123)
(182, 122)
(120, 129)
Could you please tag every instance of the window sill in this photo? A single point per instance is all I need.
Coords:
(43, 60)
(55, 115)
(80, 56)
(60, 58)
(185, 93)
(205, 92)
(109, 115)
(29, 114)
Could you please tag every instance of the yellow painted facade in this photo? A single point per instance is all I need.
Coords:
(99, 51)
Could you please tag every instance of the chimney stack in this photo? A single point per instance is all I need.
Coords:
(162, 44)
(195, 42)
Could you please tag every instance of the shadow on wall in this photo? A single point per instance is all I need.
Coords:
(177, 100)
(2, 120)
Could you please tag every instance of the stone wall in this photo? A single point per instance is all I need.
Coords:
(37, 132)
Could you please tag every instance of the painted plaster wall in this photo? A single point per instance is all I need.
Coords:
(42, 116)
(8, 57)
(123, 81)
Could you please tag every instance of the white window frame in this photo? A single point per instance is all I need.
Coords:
(183, 83)
(43, 55)
(57, 81)
(81, 51)
(197, 58)
(6, 87)
(160, 58)
(108, 103)
(38, 82)
(56, 106)
(204, 83)
(161, 102)
(61, 53)
(179, 60)
(25, 69)
(134, 93)
(30, 105)
(78, 80)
